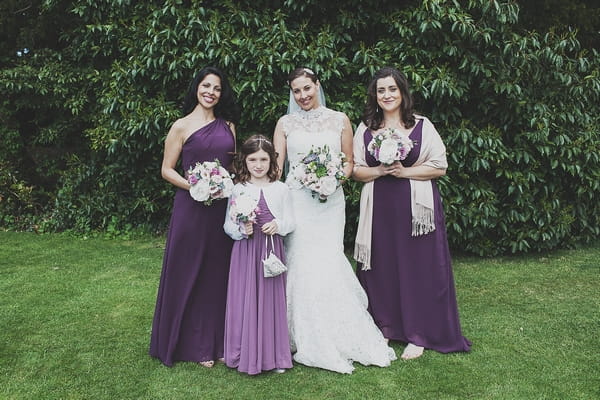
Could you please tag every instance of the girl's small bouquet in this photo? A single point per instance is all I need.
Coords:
(321, 171)
(243, 208)
(209, 181)
(390, 145)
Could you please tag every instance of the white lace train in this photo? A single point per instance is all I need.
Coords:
(330, 326)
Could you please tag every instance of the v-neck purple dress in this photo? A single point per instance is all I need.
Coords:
(410, 284)
(189, 320)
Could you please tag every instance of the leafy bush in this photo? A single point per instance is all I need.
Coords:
(518, 111)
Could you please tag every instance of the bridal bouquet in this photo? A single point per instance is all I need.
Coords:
(243, 208)
(321, 171)
(390, 145)
(209, 181)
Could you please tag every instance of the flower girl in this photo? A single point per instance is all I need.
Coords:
(258, 214)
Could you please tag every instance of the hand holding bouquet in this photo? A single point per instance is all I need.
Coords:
(390, 145)
(209, 181)
(243, 208)
(321, 171)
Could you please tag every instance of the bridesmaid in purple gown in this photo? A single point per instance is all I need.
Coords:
(401, 247)
(189, 319)
(256, 330)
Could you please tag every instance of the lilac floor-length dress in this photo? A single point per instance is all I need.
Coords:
(256, 331)
(410, 286)
(189, 319)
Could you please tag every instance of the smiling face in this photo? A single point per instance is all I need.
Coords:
(305, 92)
(209, 91)
(388, 94)
(258, 164)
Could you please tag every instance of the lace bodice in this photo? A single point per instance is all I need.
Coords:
(314, 128)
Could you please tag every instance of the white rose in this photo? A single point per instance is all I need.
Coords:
(200, 191)
(388, 151)
(328, 185)
(299, 173)
(245, 205)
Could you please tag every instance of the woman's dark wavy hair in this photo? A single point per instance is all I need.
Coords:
(372, 115)
(251, 145)
(302, 71)
(226, 108)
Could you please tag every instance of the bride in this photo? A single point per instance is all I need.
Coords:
(329, 324)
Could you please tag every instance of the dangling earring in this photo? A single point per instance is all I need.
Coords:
(377, 111)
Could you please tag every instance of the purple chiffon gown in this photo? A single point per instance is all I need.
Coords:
(256, 330)
(189, 319)
(410, 285)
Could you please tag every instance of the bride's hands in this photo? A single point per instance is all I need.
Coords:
(270, 228)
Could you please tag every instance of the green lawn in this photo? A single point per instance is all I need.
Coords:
(75, 318)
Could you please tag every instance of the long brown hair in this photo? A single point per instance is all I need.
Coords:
(302, 71)
(372, 115)
(252, 145)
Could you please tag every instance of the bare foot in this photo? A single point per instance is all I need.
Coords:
(221, 360)
(207, 364)
(412, 351)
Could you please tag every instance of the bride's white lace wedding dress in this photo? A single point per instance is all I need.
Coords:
(330, 326)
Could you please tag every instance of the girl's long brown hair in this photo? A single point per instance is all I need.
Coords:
(252, 145)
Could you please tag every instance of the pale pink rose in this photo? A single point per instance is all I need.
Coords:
(200, 191)
(328, 185)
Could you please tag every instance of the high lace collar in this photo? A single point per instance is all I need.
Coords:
(311, 114)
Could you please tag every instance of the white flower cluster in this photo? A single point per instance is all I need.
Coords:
(390, 145)
(209, 181)
(321, 171)
(243, 208)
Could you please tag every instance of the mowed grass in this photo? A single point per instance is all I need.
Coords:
(75, 318)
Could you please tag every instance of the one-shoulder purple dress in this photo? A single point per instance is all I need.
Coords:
(189, 319)
(410, 284)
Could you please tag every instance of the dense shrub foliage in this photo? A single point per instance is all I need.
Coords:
(84, 115)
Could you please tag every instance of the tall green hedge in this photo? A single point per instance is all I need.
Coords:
(84, 122)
